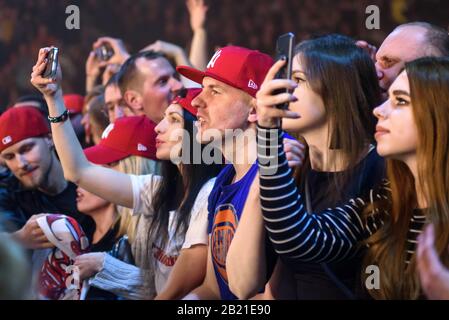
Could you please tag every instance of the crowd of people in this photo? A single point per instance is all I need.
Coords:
(27, 25)
(177, 175)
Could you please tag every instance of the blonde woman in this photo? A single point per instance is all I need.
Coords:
(128, 147)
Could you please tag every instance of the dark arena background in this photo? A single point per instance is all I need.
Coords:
(26, 25)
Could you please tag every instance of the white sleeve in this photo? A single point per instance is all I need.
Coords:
(125, 280)
(144, 188)
(197, 231)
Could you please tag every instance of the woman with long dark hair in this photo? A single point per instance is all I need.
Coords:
(176, 201)
(335, 90)
(412, 134)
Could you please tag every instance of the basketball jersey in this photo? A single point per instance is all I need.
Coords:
(226, 203)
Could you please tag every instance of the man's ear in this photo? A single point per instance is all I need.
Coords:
(252, 116)
(134, 100)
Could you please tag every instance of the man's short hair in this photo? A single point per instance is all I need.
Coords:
(128, 76)
(113, 81)
(33, 100)
(437, 38)
(95, 92)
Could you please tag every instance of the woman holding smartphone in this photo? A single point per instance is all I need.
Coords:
(412, 134)
(335, 90)
(175, 201)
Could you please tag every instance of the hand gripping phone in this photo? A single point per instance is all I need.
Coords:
(104, 53)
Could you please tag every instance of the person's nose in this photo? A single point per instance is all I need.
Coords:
(160, 128)
(175, 84)
(379, 71)
(380, 112)
(118, 112)
(84, 119)
(22, 162)
(198, 101)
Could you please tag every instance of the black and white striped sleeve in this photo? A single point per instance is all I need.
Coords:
(331, 235)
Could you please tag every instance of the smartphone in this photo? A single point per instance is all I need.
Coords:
(284, 48)
(52, 64)
(104, 53)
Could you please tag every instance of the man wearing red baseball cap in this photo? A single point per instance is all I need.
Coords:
(227, 115)
(38, 184)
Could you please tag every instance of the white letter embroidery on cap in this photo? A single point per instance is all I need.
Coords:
(6, 140)
(141, 147)
(212, 61)
(252, 84)
(107, 131)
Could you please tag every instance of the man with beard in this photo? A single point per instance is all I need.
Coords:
(36, 184)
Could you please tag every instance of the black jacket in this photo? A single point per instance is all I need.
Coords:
(17, 204)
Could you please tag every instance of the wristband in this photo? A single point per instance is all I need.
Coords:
(62, 118)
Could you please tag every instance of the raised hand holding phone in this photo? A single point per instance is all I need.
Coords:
(275, 93)
(111, 49)
(104, 52)
(46, 75)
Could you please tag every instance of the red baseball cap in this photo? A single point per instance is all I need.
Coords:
(74, 103)
(129, 136)
(238, 67)
(18, 124)
(186, 101)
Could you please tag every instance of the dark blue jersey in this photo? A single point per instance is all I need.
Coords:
(226, 203)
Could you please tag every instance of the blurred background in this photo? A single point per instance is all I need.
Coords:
(27, 25)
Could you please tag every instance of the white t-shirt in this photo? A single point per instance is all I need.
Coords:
(144, 188)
